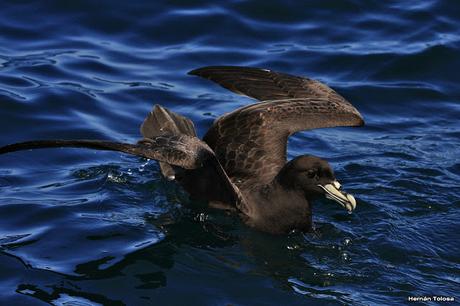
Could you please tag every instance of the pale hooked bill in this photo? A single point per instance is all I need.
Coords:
(333, 192)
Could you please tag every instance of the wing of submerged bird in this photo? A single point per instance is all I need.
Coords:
(251, 141)
(189, 153)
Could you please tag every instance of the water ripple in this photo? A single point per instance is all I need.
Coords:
(77, 223)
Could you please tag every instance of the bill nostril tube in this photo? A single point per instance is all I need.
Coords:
(336, 184)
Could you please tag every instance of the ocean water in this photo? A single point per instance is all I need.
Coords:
(83, 227)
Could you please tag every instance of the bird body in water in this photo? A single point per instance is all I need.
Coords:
(241, 165)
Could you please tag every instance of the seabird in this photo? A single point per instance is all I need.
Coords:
(241, 165)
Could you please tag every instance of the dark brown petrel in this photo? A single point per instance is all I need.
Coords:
(240, 164)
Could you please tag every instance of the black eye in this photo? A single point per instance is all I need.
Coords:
(312, 173)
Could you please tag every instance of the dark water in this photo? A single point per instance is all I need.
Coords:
(79, 227)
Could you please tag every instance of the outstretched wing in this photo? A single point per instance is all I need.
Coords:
(189, 153)
(264, 84)
(251, 141)
(180, 150)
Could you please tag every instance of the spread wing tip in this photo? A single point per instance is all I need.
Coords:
(207, 70)
(356, 119)
(197, 71)
(204, 70)
(194, 71)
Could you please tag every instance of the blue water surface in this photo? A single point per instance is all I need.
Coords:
(83, 227)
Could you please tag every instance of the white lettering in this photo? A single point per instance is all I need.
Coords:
(435, 298)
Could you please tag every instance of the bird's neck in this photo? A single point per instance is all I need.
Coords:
(278, 209)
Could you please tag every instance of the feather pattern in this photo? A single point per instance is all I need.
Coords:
(251, 141)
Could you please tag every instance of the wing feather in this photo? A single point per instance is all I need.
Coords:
(251, 141)
(187, 152)
(179, 150)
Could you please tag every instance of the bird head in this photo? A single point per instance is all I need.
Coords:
(315, 177)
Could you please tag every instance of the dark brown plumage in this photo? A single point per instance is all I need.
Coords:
(241, 163)
(251, 141)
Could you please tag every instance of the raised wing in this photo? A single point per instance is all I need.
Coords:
(264, 84)
(163, 121)
(251, 141)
